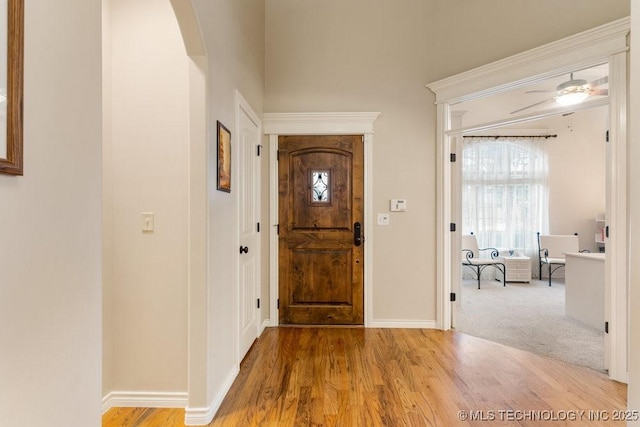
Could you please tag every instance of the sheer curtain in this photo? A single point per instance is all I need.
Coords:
(505, 192)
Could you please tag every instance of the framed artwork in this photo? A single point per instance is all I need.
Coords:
(224, 158)
(11, 78)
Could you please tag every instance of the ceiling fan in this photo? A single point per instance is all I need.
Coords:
(571, 92)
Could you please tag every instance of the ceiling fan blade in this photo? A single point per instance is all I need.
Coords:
(599, 82)
(540, 91)
(531, 106)
(599, 92)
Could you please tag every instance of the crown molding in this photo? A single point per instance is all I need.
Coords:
(582, 50)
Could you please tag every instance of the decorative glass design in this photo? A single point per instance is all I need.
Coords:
(320, 186)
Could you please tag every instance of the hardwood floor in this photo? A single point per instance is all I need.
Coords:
(398, 377)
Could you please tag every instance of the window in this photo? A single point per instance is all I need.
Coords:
(320, 186)
(505, 191)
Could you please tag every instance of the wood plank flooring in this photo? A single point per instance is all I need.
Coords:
(398, 377)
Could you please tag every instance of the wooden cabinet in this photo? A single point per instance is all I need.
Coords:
(518, 269)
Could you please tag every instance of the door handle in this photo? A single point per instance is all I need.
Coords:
(357, 234)
(244, 249)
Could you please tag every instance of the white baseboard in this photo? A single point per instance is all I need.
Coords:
(381, 323)
(203, 416)
(199, 416)
(268, 323)
(144, 399)
(265, 324)
(398, 323)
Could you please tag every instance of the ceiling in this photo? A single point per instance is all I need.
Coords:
(500, 107)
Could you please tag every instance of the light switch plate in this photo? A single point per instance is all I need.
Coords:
(383, 219)
(147, 222)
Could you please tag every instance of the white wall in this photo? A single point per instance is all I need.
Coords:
(577, 187)
(146, 145)
(467, 34)
(233, 34)
(365, 55)
(155, 161)
(107, 206)
(633, 395)
(369, 56)
(50, 227)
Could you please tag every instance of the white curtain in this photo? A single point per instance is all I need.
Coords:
(505, 192)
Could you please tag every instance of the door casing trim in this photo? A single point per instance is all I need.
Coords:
(276, 124)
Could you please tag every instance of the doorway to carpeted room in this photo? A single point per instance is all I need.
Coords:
(531, 317)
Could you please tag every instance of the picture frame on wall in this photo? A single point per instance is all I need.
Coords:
(224, 158)
(11, 86)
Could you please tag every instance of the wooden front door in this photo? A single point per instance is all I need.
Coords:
(321, 251)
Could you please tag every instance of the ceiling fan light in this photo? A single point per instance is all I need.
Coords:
(572, 98)
(571, 85)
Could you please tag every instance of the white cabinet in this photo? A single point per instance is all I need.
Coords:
(518, 269)
(584, 288)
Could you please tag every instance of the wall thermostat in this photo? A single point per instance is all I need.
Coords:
(398, 205)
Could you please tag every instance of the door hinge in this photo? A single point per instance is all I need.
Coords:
(278, 156)
(259, 149)
(452, 297)
(452, 157)
(278, 229)
(258, 302)
(607, 137)
(258, 227)
(452, 226)
(606, 327)
(278, 304)
(606, 232)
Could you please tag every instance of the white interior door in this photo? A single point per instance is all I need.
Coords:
(248, 130)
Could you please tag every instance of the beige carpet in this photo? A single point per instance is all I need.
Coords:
(530, 317)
